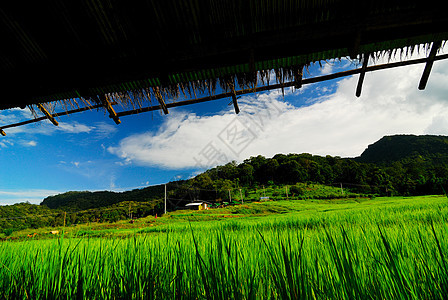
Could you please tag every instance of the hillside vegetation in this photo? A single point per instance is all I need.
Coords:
(407, 147)
(395, 165)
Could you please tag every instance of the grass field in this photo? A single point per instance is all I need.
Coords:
(382, 248)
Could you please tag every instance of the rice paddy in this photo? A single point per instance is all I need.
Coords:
(385, 248)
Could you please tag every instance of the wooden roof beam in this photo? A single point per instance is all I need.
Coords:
(234, 99)
(112, 114)
(235, 103)
(287, 84)
(298, 76)
(161, 101)
(236, 93)
(429, 63)
(64, 113)
(362, 74)
(47, 114)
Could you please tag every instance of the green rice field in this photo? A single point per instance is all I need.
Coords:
(382, 248)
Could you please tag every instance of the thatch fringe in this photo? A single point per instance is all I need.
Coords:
(140, 95)
(402, 53)
(235, 93)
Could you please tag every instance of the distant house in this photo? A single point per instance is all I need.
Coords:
(198, 205)
(264, 198)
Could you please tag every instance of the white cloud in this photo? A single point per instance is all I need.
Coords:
(14, 115)
(46, 128)
(112, 184)
(5, 143)
(34, 196)
(104, 130)
(327, 68)
(438, 126)
(74, 127)
(29, 143)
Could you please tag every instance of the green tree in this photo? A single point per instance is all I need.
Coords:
(246, 174)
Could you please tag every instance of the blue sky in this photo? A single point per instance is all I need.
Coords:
(87, 151)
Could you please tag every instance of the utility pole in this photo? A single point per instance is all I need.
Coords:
(241, 195)
(286, 190)
(342, 191)
(65, 216)
(165, 199)
(264, 193)
(230, 197)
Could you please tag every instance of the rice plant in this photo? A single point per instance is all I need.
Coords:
(385, 252)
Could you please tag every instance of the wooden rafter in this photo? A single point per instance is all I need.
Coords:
(237, 92)
(64, 113)
(109, 108)
(284, 85)
(234, 99)
(298, 74)
(362, 74)
(429, 63)
(47, 114)
(161, 101)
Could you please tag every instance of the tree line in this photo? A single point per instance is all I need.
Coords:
(30, 216)
(409, 176)
(398, 165)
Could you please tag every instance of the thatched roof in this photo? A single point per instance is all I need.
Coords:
(130, 52)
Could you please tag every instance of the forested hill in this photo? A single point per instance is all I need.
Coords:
(407, 147)
(73, 201)
(395, 165)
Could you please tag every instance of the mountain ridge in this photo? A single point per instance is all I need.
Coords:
(399, 147)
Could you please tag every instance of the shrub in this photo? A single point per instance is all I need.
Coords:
(296, 190)
(8, 231)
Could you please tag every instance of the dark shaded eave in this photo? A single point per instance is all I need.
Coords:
(62, 50)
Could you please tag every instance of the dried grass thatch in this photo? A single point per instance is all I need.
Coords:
(155, 52)
(136, 95)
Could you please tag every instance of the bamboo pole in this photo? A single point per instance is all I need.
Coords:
(109, 108)
(286, 84)
(362, 74)
(298, 76)
(161, 101)
(234, 100)
(429, 63)
(47, 114)
(64, 113)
